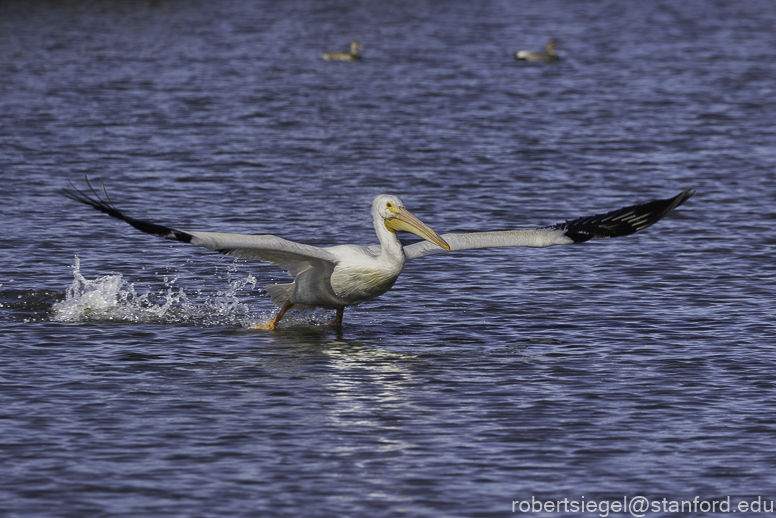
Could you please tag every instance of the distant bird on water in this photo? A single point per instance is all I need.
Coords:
(548, 55)
(353, 55)
(336, 277)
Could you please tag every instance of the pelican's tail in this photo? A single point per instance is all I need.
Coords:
(280, 293)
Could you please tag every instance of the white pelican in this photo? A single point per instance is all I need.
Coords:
(346, 275)
(353, 55)
(548, 54)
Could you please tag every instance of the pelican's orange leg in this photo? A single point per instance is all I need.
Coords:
(283, 310)
(337, 322)
(271, 325)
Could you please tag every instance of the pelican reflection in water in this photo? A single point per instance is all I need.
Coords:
(339, 276)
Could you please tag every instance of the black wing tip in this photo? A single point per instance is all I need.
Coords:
(684, 196)
(106, 206)
(624, 221)
(96, 202)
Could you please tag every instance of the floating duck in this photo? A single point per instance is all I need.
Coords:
(548, 55)
(353, 55)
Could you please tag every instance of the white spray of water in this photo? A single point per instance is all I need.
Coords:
(111, 298)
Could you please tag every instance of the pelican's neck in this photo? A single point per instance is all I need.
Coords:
(390, 246)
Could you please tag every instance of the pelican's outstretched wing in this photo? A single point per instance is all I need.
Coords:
(290, 256)
(620, 222)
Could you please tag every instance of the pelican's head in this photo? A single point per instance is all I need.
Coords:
(390, 210)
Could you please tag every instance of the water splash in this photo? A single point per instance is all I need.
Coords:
(112, 298)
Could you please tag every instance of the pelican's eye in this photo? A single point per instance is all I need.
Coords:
(392, 207)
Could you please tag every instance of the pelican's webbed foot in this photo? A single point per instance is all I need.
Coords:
(272, 324)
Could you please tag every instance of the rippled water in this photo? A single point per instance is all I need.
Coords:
(133, 384)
